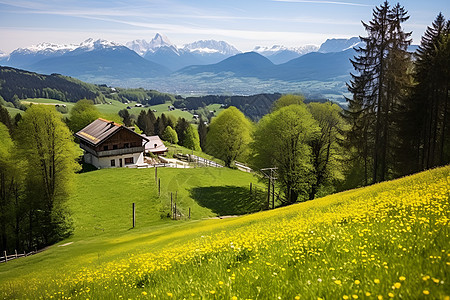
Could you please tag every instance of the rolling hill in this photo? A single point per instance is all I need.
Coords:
(249, 64)
(384, 241)
(311, 66)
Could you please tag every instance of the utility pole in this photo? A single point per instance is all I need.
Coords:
(272, 175)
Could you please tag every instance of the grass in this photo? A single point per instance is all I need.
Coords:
(390, 240)
(177, 149)
(107, 110)
(13, 111)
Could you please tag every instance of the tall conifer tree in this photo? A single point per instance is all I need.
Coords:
(377, 87)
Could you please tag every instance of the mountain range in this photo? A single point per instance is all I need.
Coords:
(202, 66)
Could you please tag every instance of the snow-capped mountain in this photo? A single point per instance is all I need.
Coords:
(138, 46)
(211, 47)
(23, 57)
(280, 54)
(47, 47)
(160, 41)
(141, 47)
(91, 44)
(161, 50)
(338, 45)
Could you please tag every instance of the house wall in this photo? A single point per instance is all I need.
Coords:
(119, 139)
(105, 162)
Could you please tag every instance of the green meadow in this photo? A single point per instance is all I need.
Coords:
(111, 110)
(389, 240)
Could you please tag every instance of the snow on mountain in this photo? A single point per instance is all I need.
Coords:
(211, 47)
(91, 44)
(138, 46)
(159, 41)
(51, 47)
(3, 54)
(338, 45)
(268, 51)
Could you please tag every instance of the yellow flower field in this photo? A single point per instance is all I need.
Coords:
(390, 240)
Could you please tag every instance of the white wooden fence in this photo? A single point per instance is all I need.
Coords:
(5, 258)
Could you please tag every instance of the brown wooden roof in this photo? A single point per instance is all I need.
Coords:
(100, 130)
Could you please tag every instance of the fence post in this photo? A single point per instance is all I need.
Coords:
(15, 252)
(134, 215)
(159, 187)
(175, 211)
(189, 213)
(6, 257)
(250, 188)
(273, 194)
(171, 204)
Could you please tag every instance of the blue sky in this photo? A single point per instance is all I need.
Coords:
(243, 23)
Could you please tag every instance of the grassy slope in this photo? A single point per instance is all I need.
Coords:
(13, 111)
(101, 212)
(389, 240)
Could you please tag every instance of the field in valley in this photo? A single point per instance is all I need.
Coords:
(110, 110)
(390, 240)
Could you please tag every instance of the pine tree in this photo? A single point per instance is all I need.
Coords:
(430, 100)
(145, 123)
(377, 87)
(202, 132)
(180, 128)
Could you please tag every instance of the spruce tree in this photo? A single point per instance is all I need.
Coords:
(430, 100)
(202, 132)
(378, 85)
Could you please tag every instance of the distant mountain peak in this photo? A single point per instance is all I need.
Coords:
(160, 40)
(210, 47)
(267, 51)
(91, 44)
(338, 45)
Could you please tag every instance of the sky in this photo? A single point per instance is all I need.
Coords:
(242, 23)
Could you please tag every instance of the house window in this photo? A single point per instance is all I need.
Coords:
(129, 160)
(105, 148)
(126, 145)
(113, 162)
(156, 145)
(114, 147)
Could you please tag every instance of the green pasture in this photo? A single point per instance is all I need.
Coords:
(386, 241)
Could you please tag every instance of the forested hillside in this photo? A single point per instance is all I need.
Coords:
(24, 84)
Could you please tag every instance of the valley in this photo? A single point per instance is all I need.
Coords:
(199, 68)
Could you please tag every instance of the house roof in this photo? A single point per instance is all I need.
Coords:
(100, 130)
(152, 141)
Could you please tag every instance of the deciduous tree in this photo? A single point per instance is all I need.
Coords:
(170, 135)
(82, 114)
(191, 139)
(46, 144)
(282, 139)
(229, 135)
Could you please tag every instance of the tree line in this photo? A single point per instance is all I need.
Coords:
(19, 84)
(301, 140)
(399, 112)
(176, 131)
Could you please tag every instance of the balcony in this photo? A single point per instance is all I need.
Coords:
(114, 152)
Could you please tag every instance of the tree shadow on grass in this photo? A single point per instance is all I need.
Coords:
(229, 200)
